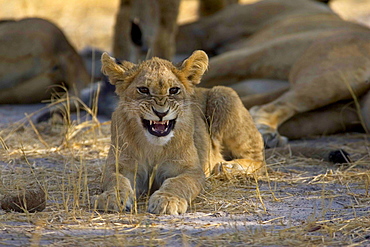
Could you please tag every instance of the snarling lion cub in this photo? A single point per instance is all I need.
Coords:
(167, 134)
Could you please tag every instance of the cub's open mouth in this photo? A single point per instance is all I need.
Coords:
(159, 128)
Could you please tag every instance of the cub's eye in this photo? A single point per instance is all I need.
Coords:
(174, 90)
(143, 90)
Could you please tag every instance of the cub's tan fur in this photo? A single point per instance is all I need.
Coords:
(212, 133)
(34, 56)
(325, 59)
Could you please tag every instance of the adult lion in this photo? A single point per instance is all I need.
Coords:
(145, 29)
(325, 59)
(167, 134)
(34, 56)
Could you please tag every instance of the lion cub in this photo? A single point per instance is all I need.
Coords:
(167, 135)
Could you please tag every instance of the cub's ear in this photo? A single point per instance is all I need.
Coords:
(115, 71)
(194, 67)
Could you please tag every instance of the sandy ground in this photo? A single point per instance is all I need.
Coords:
(303, 201)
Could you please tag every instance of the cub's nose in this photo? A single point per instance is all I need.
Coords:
(160, 114)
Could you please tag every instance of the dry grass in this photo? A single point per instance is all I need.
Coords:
(66, 161)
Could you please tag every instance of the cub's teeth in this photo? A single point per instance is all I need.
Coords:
(166, 122)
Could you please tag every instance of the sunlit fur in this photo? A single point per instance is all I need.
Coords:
(37, 60)
(209, 123)
(326, 60)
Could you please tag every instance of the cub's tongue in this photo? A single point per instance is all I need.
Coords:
(159, 126)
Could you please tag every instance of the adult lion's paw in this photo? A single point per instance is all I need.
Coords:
(166, 203)
(110, 201)
(271, 137)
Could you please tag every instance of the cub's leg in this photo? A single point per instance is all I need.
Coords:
(117, 189)
(176, 193)
(175, 184)
(117, 196)
(233, 133)
(172, 195)
(119, 175)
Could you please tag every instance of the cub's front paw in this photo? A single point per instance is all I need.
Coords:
(166, 203)
(111, 201)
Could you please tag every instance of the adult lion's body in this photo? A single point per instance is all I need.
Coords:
(324, 58)
(146, 29)
(168, 134)
(34, 56)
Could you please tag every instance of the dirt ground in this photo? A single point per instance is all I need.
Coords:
(302, 201)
